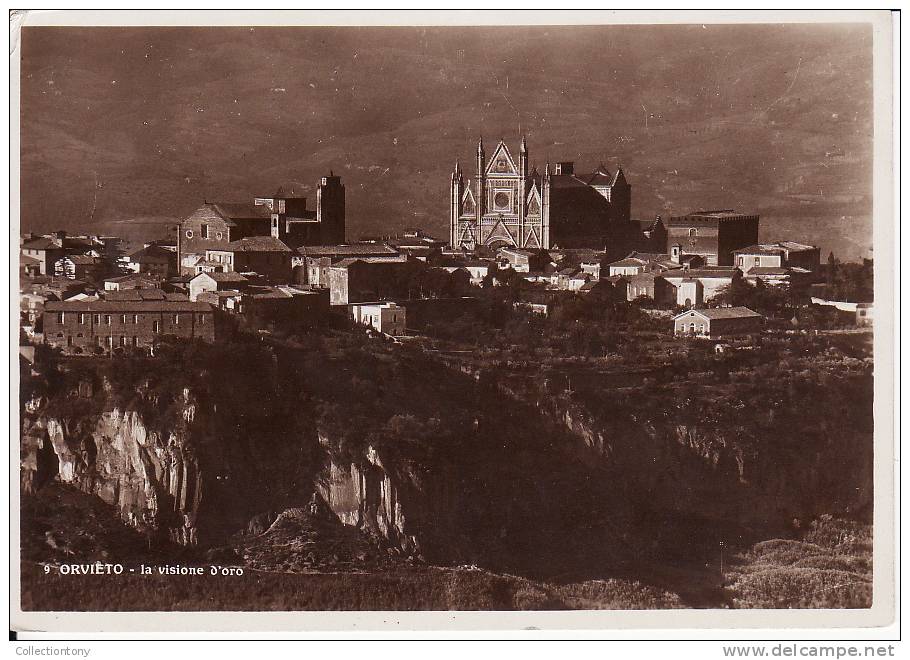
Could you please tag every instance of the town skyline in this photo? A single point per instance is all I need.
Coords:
(138, 128)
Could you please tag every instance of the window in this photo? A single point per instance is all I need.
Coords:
(135, 318)
(156, 326)
(69, 340)
(123, 341)
(219, 235)
(98, 340)
(97, 319)
(109, 341)
(107, 319)
(60, 317)
(135, 341)
(123, 319)
(757, 261)
(204, 231)
(742, 261)
(176, 319)
(202, 319)
(693, 232)
(189, 233)
(81, 318)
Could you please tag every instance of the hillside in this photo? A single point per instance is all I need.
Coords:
(127, 128)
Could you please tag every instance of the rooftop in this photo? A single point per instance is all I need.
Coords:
(722, 313)
(258, 244)
(114, 306)
(353, 249)
(41, 244)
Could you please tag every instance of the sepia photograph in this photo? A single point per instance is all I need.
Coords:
(354, 315)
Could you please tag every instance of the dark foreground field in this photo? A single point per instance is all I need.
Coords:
(414, 589)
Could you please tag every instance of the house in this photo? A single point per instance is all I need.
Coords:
(132, 281)
(206, 282)
(316, 259)
(385, 317)
(718, 322)
(711, 281)
(29, 266)
(102, 325)
(650, 285)
(31, 307)
(636, 263)
(153, 260)
(591, 268)
(864, 314)
(521, 260)
(783, 254)
(45, 250)
(712, 235)
(264, 255)
(78, 267)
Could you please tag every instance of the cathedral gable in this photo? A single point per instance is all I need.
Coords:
(501, 162)
(468, 206)
(533, 201)
(500, 233)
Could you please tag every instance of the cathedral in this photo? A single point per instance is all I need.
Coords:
(508, 205)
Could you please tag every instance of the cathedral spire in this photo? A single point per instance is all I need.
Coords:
(480, 147)
(524, 145)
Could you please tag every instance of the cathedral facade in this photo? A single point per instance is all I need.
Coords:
(508, 205)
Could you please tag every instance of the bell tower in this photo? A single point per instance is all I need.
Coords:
(479, 205)
(455, 208)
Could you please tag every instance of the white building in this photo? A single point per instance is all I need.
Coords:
(385, 317)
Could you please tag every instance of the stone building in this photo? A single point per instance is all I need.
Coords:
(46, 250)
(264, 255)
(696, 286)
(105, 324)
(508, 204)
(712, 235)
(284, 217)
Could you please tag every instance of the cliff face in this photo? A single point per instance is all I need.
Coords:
(152, 476)
(448, 466)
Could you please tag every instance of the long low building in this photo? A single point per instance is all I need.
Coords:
(719, 322)
(105, 324)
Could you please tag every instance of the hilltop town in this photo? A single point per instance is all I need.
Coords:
(274, 263)
(554, 389)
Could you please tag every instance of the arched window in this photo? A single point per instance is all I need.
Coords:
(693, 232)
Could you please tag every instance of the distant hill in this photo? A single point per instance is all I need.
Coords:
(128, 129)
